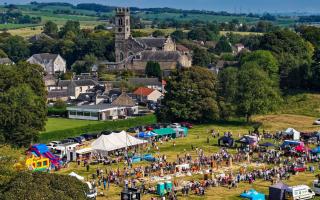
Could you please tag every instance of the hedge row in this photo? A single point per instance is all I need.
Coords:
(62, 112)
(92, 128)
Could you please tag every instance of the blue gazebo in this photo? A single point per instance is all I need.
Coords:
(253, 195)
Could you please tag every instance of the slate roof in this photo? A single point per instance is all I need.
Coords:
(57, 94)
(152, 42)
(166, 56)
(182, 48)
(124, 100)
(144, 81)
(42, 57)
(40, 36)
(92, 107)
(143, 91)
(82, 82)
(4, 61)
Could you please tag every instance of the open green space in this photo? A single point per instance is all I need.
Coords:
(58, 129)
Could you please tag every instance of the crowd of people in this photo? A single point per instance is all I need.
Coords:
(197, 161)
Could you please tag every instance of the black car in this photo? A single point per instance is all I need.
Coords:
(106, 132)
(87, 136)
(66, 141)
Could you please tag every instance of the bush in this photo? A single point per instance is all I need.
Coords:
(61, 112)
(28, 186)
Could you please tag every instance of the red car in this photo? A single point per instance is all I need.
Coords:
(299, 168)
(186, 124)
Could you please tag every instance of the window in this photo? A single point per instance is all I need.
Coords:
(38, 164)
(94, 114)
(45, 163)
(72, 113)
(127, 22)
(120, 22)
(121, 56)
(86, 114)
(80, 113)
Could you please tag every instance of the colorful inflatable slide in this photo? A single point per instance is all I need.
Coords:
(41, 150)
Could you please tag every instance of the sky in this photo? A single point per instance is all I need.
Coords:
(234, 6)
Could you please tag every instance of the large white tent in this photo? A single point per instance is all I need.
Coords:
(115, 141)
(295, 134)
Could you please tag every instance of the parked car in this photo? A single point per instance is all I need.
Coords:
(175, 125)
(106, 132)
(87, 136)
(186, 124)
(317, 122)
(66, 141)
(53, 144)
(148, 128)
(132, 130)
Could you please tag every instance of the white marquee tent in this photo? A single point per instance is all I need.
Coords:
(115, 141)
(295, 134)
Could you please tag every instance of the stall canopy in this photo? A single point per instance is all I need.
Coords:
(146, 135)
(253, 195)
(115, 141)
(294, 133)
(277, 191)
(76, 176)
(165, 132)
(267, 144)
(316, 150)
(183, 130)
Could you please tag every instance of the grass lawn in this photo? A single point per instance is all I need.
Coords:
(56, 124)
(58, 129)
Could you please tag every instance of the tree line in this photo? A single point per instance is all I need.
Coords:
(279, 62)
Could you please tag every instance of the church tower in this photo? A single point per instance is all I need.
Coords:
(122, 33)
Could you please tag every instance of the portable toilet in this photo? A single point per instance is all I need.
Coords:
(168, 186)
(161, 189)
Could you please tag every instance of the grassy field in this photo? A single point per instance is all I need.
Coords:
(198, 138)
(57, 124)
(58, 129)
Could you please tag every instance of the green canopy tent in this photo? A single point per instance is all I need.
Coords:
(162, 132)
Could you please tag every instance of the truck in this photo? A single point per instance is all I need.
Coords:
(299, 192)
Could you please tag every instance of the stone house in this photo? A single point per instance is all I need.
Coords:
(51, 63)
(134, 53)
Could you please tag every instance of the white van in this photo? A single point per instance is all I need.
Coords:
(316, 187)
(299, 192)
(92, 194)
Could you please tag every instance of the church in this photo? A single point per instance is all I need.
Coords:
(134, 53)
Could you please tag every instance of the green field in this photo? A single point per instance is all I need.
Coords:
(57, 124)
(58, 129)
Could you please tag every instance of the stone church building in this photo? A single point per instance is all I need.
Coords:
(134, 53)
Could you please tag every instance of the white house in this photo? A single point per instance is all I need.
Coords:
(101, 112)
(51, 63)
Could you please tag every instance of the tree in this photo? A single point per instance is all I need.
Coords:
(25, 186)
(158, 33)
(153, 69)
(22, 103)
(70, 27)
(200, 57)
(223, 46)
(16, 48)
(50, 28)
(3, 54)
(266, 61)
(85, 65)
(178, 35)
(256, 91)
(227, 91)
(294, 55)
(190, 95)
(8, 158)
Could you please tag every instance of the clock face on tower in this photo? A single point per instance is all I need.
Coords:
(119, 30)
